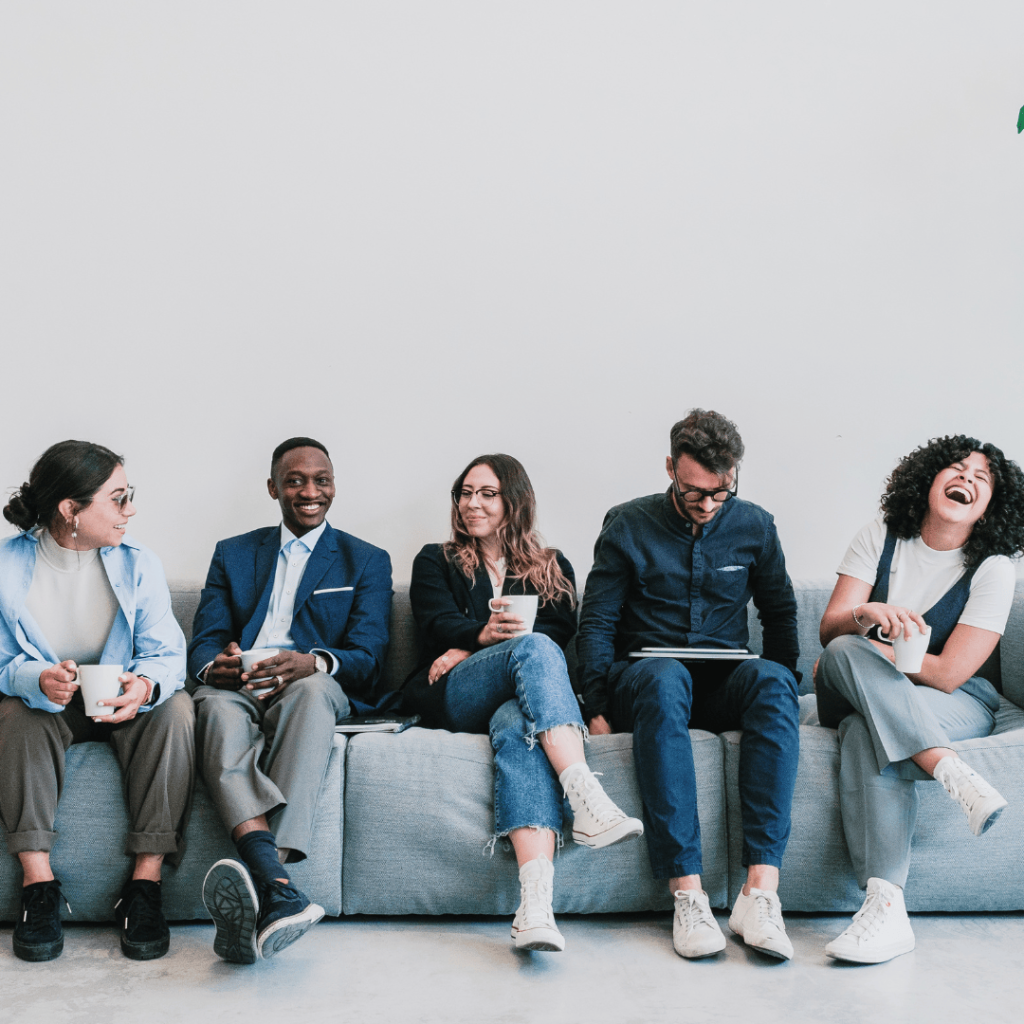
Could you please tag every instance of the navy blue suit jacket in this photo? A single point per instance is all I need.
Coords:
(343, 604)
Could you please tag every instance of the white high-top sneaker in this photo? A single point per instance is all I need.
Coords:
(597, 822)
(534, 925)
(879, 931)
(980, 802)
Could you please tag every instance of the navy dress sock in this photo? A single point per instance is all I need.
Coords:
(259, 851)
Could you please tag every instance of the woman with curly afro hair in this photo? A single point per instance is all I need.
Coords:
(938, 559)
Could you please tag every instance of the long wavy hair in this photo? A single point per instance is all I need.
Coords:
(525, 557)
(1000, 531)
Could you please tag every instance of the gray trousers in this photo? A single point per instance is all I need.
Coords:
(258, 759)
(156, 751)
(883, 719)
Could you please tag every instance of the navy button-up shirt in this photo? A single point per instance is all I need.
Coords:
(654, 584)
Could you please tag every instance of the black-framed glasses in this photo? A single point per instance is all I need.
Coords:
(718, 495)
(487, 495)
(123, 499)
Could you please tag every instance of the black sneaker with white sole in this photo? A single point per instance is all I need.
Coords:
(230, 899)
(139, 912)
(286, 914)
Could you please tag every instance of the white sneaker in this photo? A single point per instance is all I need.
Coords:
(695, 932)
(757, 920)
(597, 822)
(880, 929)
(981, 802)
(534, 925)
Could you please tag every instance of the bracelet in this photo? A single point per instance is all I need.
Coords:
(860, 624)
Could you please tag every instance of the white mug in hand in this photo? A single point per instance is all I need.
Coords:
(254, 657)
(99, 682)
(910, 647)
(523, 605)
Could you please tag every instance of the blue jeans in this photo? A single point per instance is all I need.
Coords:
(515, 690)
(661, 700)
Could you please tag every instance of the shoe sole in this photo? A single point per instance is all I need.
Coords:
(991, 819)
(230, 900)
(778, 954)
(877, 957)
(700, 954)
(283, 932)
(37, 952)
(145, 950)
(544, 943)
(631, 828)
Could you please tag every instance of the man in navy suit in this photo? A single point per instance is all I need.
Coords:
(322, 599)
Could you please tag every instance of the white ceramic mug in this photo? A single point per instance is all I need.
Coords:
(99, 682)
(911, 649)
(253, 657)
(523, 605)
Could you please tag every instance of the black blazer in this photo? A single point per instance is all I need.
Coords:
(450, 611)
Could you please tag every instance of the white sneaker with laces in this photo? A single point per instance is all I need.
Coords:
(597, 821)
(534, 924)
(980, 802)
(879, 931)
(695, 932)
(757, 920)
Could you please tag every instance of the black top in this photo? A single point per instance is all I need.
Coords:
(450, 610)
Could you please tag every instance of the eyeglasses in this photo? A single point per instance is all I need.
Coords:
(123, 499)
(487, 495)
(717, 494)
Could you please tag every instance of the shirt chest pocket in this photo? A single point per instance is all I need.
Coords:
(727, 582)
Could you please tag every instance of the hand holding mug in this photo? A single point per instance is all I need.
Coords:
(59, 682)
(134, 691)
(502, 625)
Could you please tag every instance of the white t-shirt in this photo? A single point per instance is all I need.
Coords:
(919, 576)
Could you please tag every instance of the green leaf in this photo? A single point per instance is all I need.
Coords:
(1020, 121)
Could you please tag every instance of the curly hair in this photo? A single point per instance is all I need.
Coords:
(1000, 531)
(525, 558)
(708, 437)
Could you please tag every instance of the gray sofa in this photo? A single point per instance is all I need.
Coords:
(404, 821)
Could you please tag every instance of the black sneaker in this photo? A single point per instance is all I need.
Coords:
(38, 934)
(230, 899)
(285, 915)
(144, 932)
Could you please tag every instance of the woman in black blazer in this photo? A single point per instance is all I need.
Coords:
(484, 671)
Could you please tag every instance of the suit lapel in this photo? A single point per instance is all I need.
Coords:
(480, 593)
(320, 559)
(263, 583)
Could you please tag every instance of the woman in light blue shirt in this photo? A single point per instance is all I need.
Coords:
(76, 589)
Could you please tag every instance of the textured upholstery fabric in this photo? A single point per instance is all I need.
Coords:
(92, 822)
(420, 812)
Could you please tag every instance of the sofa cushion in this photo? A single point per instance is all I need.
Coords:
(92, 823)
(419, 811)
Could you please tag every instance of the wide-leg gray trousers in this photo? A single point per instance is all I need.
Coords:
(883, 719)
(258, 759)
(156, 751)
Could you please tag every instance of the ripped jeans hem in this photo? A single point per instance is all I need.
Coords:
(507, 844)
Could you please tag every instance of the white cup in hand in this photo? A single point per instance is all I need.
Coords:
(910, 647)
(523, 605)
(99, 682)
(254, 657)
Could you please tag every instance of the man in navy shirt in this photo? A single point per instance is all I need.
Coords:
(677, 569)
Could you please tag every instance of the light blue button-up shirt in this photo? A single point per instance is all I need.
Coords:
(145, 637)
(291, 565)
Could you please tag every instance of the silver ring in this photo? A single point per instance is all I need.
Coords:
(279, 680)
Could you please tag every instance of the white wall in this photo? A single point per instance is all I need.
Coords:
(422, 231)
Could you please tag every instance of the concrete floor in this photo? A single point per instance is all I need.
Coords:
(616, 968)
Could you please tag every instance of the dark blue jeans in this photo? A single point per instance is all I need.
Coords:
(660, 700)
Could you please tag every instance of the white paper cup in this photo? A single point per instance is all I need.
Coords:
(253, 657)
(523, 605)
(99, 682)
(910, 650)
